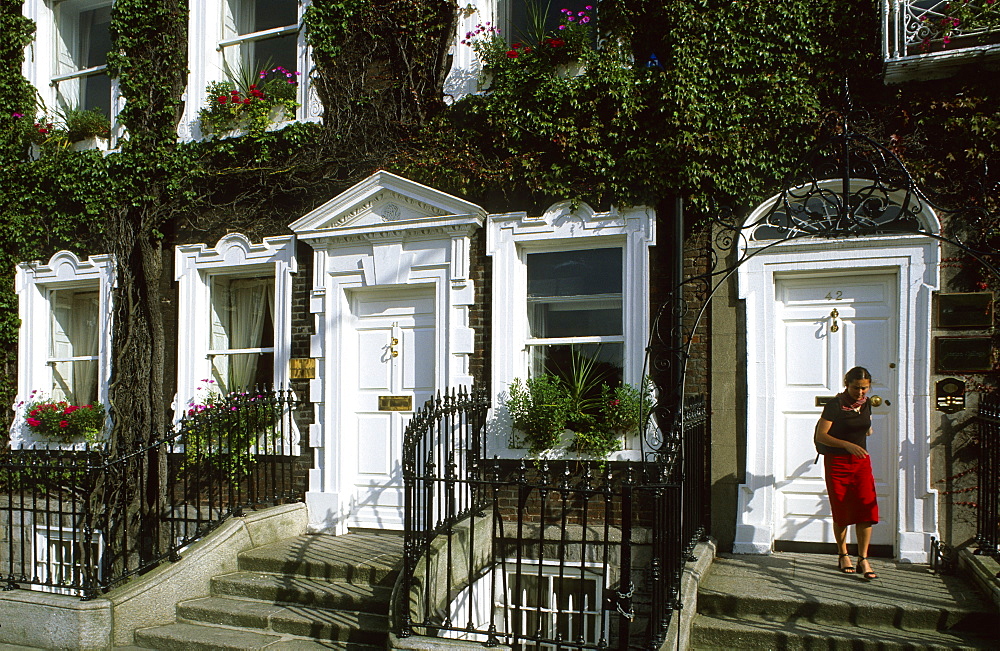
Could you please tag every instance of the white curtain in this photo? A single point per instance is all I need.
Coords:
(74, 333)
(240, 309)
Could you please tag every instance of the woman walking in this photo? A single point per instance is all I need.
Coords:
(841, 435)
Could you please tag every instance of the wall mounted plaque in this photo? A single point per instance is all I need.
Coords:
(949, 395)
(302, 368)
(395, 403)
(963, 354)
(967, 310)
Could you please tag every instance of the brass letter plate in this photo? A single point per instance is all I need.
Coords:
(302, 368)
(395, 403)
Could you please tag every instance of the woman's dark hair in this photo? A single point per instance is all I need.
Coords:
(857, 373)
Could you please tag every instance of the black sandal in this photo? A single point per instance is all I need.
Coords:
(846, 570)
(870, 574)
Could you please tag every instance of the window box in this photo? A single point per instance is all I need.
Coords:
(928, 39)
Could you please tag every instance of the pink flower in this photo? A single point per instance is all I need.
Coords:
(34, 422)
(64, 424)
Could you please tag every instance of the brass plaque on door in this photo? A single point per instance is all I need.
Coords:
(395, 403)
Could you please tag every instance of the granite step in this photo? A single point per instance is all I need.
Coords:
(291, 589)
(194, 637)
(802, 601)
(300, 620)
(372, 558)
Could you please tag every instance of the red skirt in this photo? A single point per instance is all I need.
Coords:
(851, 486)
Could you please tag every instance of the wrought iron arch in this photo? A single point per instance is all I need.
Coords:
(851, 187)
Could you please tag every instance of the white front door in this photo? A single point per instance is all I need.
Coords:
(827, 325)
(393, 362)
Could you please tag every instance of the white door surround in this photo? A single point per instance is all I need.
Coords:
(385, 233)
(913, 261)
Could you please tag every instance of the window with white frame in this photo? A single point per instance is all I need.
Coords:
(574, 307)
(235, 40)
(553, 603)
(62, 559)
(260, 34)
(74, 342)
(83, 40)
(571, 283)
(242, 332)
(548, 602)
(64, 342)
(234, 316)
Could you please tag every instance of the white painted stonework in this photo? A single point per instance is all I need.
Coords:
(32, 283)
(392, 240)
(911, 263)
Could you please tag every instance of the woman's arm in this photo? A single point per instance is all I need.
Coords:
(822, 435)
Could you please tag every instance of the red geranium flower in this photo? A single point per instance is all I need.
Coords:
(64, 423)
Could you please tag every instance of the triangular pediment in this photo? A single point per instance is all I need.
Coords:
(383, 199)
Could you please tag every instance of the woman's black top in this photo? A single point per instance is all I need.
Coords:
(848, 425)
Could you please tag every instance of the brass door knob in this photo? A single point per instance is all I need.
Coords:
(876, 401)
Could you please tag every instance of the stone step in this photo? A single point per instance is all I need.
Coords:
(279, 588)
(200, 637)
(354, 558)
(808, 588)
(189, 637)
(300, 620)
(711, 633)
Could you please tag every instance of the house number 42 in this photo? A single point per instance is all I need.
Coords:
(834, 296)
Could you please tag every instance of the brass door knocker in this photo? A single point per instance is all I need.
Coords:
(834, 327)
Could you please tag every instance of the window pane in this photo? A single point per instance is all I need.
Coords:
(265, 54)
(242, 318)
(589, 318)
(74, 332)
(96, 94)
(525, 14)
(269, 14)
(575, 273)
(558, 360)
(95, 37)
(575, 293)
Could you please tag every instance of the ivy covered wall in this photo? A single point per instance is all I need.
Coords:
(709, 100)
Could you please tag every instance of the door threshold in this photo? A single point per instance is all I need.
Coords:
(874, 551)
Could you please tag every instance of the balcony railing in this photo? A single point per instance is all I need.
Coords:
(929, 37)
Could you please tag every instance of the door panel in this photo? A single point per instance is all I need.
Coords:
(394, 353)
(826, 326)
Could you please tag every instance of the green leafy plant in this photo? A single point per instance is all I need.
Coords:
(58, 419)
(245, 103)
(539, 408)
(80, 124)
(579, 399)
(224, 433)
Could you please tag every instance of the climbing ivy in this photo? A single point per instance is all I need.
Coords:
(711, 100)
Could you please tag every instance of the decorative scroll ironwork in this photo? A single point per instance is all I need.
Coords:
(920, 26)
(850, 187)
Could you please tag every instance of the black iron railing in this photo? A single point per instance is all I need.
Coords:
(80, 522)
(550, 554)
(988, 500)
